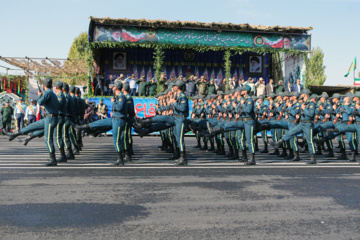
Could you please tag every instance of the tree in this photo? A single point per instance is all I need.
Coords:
(277, 66)
(80, 47)
(315, 68)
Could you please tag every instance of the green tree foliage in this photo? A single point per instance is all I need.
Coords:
(80, 47)
(315, 68)
(277, 66)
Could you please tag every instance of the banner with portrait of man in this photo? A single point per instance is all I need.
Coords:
(119, 61)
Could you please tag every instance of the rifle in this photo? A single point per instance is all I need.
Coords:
(337, 118)
(269, 115)
(352, 117)
(240, 111)
(39, 89)
(326, 118)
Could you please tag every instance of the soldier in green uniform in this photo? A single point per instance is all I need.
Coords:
(211, 87)
(7, 111)
(152, 87)
(162, 82)
(202, 86)
(142, 86)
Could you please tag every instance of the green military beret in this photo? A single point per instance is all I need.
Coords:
(101, 99)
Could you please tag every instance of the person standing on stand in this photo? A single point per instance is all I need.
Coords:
(30, 114)
(19, 113)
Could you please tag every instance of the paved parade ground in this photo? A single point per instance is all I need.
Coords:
(212, 198)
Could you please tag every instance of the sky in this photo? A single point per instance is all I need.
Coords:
(41, 28)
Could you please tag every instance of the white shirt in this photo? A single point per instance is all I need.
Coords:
(132, 83)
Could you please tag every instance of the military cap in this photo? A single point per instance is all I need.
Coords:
(324, 95)
(357, 94)
(220, 93)
(227, 92)
(314, 96)
(101, 99)
(178, 83)
(272, 95)
(247, 88)
(77, 90)
(295, 94)
(336, 95)
(261, 97)
(118, 85)
(281, 94)
(72, 88)
(48, 82)
(66, 86)
(254, 97)
(232, 91)
(239, 89)
(126, 86)
(306, 91)
(349, 94)
(32, 100)
(59, 84)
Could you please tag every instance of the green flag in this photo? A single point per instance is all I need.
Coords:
(352, 67)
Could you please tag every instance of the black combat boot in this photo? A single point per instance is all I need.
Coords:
(277, 144)
(198, 143)
(127, 156)
(312, 159)
(119, 160)
(82, 127)
(218, 148)
(284, 153)
(244, 157)
(235, 156)
(26, 140)
(205, 147)
(252, 160)
(318, 152)
(176, 154)
(291, 155)
(222, 150)
(214, 131)
(331, 153)
(296, 157)
(231, 152)
(352, 157)
(62, 155)
(265, 149)
(70, 154)
(12, 136)
(343, 155)
(77, 150)
(52, 161)
(141, 123)
(212, 148)
(182, 161)
(256, 146)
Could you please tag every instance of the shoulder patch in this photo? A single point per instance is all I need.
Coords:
(311, 106)
(249, 102)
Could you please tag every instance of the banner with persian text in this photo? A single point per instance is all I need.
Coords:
(104, 33)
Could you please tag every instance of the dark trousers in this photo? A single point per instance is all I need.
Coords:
(20, 120)
(133, 91)
(31, 119)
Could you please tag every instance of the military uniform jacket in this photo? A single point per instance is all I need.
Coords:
(181, 107)
(102, 109)
(294, 110)
(6, 113)
(50, 102)
(119, 107)
(248, 108)
(70, 111)
(130, 105)
(62, 103)
(30, 111)
(76, 105)
(309, 111)
(20, 109)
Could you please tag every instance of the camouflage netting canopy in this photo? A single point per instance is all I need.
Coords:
(199, 25)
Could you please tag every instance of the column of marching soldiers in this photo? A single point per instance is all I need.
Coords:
(233, 116)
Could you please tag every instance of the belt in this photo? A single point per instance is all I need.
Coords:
(178, 115)
(248, 119)
(52, 115)
(123, 118)
(307, 121)
(345, 122)
(292, 121)
(357, 122)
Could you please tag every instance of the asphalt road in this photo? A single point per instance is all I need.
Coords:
(212, 198)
